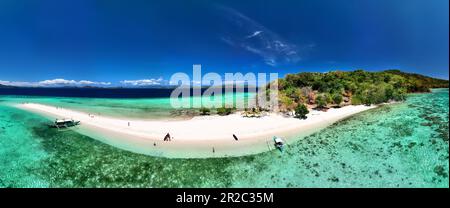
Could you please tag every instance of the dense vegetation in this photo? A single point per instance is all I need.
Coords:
(301, 111)
(420, 83)
(223, 111)
(338, 88)
(205, 111)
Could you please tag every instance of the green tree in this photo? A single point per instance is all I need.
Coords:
(223, 111)
(301, 111)
(337, 99)
(321, 101)
(399, 95)
(357, 100)
(204, 111)
(328, 98)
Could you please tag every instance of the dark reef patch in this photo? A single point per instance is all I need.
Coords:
(440, 171)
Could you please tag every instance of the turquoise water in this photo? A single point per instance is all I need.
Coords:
(149, 108)
(20, 151)
(399, 145)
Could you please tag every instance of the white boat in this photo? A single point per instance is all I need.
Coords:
(279, 143)
(64, 123)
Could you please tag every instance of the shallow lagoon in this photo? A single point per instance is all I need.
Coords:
(142, 108)
(400, 145)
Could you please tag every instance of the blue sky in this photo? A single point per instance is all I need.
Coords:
(109, 41)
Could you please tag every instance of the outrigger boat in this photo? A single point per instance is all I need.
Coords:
(279, 143)
(64, 123)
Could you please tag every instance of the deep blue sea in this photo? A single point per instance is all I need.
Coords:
(90, 92)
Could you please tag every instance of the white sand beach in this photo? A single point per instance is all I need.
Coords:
(199, 137)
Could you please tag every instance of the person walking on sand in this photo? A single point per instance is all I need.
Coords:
(167, 137)
(128, 123)
(235, 137)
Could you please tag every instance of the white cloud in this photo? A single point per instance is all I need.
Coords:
(86, 82)
(254, 34)
(267, 44)
(58, 82)
(54, 83)
(64, 82)
(270, 61)
(143, 82)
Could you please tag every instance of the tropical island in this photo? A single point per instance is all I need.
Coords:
(308, 102)
(299, 93)
(348, 94)
(351, 88)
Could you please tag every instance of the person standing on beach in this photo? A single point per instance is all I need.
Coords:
(235, 137)
(167, 137)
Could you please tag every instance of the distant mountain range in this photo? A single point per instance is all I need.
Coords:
(5, 86)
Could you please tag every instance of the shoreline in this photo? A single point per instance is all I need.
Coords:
(199, 136)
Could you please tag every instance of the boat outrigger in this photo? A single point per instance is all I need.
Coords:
(279, 143)
(64, 123)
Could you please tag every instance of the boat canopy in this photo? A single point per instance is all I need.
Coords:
(278, 140)
(63, 120)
